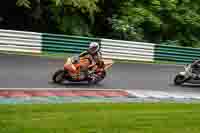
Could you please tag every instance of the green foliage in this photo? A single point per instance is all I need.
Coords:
(69, 16)
(84, 6)
(158, 21)
(134, 19)
(74, 17)
(24, 3)
(74, 25)
(169, 42)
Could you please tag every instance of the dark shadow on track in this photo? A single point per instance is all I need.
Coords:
(76, 85)
(191, 85)
(186, 85)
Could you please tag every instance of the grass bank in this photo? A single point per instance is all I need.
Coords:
(100, 118)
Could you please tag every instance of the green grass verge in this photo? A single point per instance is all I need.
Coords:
(100, 118)
(62, 55)
(146, 62)
(47, 55)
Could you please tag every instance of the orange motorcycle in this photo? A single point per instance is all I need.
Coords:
(72, 71)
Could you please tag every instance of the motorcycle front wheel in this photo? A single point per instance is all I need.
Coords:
(179, 79)
(59, 76)
(97, 78)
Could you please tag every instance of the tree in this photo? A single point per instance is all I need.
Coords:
(75, 16)
(23, 3)
(68, 16)
(158, 21)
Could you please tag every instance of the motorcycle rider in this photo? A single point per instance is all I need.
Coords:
(196, 68)
(94, 55)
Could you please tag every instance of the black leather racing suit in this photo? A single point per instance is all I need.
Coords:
(196, 68)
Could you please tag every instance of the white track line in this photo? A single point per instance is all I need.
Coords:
(163, 94)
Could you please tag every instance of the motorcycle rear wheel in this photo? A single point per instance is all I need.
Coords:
(59, 76)
(179, 79)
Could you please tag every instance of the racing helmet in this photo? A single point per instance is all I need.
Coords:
(94, 47)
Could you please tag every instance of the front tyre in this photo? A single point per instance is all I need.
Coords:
(96, 78)
(179, 79)
(59, 76)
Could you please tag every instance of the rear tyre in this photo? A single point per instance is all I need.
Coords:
(179, 79)
(59, 76)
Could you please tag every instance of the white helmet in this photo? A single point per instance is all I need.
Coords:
(94, 47)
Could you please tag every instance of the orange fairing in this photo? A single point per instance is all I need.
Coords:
(72, 68)
(75, 68)
(84, 61)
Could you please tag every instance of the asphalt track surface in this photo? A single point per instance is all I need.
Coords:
(20, 71)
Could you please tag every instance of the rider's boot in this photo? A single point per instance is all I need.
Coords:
(86, 73)
(84, 70)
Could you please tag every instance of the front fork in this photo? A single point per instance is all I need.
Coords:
(187, 74)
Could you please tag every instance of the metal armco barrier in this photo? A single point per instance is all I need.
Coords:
(18, 41)
(65, 44)
(127, 50)
(32, 42)
(176, 54)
